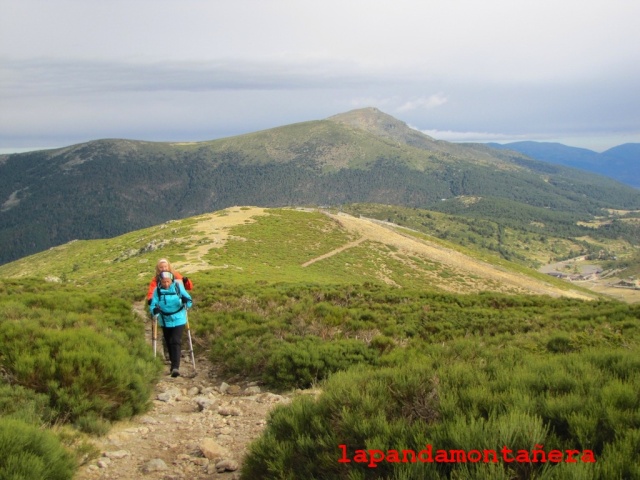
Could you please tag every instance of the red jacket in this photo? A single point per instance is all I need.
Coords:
(188, 284)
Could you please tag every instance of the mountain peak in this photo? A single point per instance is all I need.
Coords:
(383, 125)
(372, 120)
(365, 115)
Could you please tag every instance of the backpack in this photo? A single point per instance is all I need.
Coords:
(186, 281)
(175, 291)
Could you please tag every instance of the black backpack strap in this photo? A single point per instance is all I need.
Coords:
(177, 291)
(162, 312)
(181, 290)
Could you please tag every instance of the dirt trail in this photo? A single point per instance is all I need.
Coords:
(214, 229)
(335, 252)
(198, 428)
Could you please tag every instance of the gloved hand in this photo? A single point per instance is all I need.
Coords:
(156, 310)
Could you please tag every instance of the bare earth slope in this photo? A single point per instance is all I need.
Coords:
(212, 231)
(389, 234)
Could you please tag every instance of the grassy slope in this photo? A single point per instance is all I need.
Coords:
(260, 248)
(240, 245)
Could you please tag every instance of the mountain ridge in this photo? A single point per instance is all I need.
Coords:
(107, 187)
(622, 162)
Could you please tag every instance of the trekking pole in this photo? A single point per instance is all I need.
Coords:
(193, 359)
(154, 333)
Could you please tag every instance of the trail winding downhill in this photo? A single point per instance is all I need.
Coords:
(199, 427)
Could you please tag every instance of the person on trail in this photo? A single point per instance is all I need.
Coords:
(169, 303)
(163, 265)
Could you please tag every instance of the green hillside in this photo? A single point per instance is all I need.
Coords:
(106, 188)
(412, 339)
(287, 245)
(526, 235)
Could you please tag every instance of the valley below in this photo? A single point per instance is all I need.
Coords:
(592, 276)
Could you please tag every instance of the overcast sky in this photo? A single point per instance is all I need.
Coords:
(190, 70)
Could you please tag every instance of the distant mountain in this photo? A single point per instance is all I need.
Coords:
(105, 188)
(621, 163)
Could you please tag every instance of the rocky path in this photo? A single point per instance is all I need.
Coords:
(198, 428)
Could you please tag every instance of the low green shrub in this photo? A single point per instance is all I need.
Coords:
(72, 356)
(302, 362)
(92, 424)
(28, 452)
(360, 408)
(25, 404)
(620, 458)
(560, 343)
(82, 371)
(463, 396)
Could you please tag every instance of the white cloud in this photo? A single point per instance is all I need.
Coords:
(423, 103)
(452, 136)
(72, 69)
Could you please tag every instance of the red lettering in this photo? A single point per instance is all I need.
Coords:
(360, 456)
(429, 458)
(413, 455)
(441, 456)
(392, 456)
(344, 458)
(538, 449)
(555, 456)
(476, 454)
(570, 454)
(504, 451)
(486, 456)
(376, 456)
(373, 457)
(458, 456)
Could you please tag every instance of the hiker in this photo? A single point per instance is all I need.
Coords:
(163, 265)
(170, 302)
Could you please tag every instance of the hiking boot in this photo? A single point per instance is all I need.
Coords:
(175, 373)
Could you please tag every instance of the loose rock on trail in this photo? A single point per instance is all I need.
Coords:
(198, 428)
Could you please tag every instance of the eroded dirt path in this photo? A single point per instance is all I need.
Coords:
(213, 228)
(198, 428)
